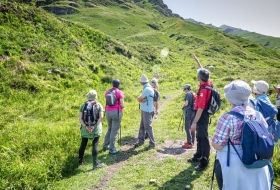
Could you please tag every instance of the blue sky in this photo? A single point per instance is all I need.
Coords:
(260, 16)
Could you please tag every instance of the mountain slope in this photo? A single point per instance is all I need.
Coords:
(267, 41)
(49, 62)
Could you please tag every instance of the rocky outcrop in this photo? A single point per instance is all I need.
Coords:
(64, 10)
(228, 30)
(59, 8)
(163, 9)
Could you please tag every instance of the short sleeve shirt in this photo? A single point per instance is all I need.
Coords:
(98, 130)
(117, 106)
(203, 96)
(230, 127)
(147, 92)
(190, 99)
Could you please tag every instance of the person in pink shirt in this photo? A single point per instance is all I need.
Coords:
(114, 117)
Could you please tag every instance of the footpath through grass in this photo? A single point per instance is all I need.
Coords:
(134, 168)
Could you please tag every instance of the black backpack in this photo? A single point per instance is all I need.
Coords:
(111, 98)
(215, 101)
(156, 95)
(90, 113)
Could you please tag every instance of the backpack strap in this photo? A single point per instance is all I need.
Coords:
(240, 116)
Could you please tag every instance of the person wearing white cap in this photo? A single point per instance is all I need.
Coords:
(90, 131)
(155, 86)
(260, 89)
(237, 176)
(277, 90)
(147, 112)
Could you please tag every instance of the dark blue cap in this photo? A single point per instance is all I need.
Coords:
(116, 83)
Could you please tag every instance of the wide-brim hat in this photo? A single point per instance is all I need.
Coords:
(237, 92)
(260, 87)
(91, 95)
(277, 86)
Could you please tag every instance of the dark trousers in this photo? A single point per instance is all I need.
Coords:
(94, 149)
(203, 145)
(189, 116)
(278, 114)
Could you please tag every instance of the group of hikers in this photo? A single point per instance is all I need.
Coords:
(91, 115)
(229, 168)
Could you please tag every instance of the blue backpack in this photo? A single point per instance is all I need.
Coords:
(274, 129)
(268, 111)
(256, 142)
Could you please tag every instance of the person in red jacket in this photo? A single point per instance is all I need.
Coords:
(201, 119)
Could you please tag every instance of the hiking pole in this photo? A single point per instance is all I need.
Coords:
(213, 172)
(180, 121)
(120, 137)
(184, 122)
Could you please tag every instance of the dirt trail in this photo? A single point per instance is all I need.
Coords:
(166, 149)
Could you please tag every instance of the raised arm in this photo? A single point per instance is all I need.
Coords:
(197, 61)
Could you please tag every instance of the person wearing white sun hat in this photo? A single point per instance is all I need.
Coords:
(92, 132)
(229, 127)
(260, 89)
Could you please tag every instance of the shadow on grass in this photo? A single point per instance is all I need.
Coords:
(126, 145)
(184, 180)
(172, 151)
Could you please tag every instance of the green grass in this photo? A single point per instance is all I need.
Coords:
(48, 63)
(267, 41)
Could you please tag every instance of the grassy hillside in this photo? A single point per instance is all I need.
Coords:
(49, 62)
(267, 41)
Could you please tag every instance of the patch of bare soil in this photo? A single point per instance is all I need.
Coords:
(170, 148)
(173, 148)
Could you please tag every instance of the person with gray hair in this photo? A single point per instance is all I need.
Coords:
(147, 112)
(229, 127)
(201, 120)
(90, 131)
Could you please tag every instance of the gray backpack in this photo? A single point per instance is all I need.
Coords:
(111, 98)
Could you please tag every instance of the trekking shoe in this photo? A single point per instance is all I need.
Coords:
(193, 159)
(113, 151)
(81, 163)
(138, 144)
(105, 148)
(187, 146)
(200, 167)
(98, 164)
(150, 147)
